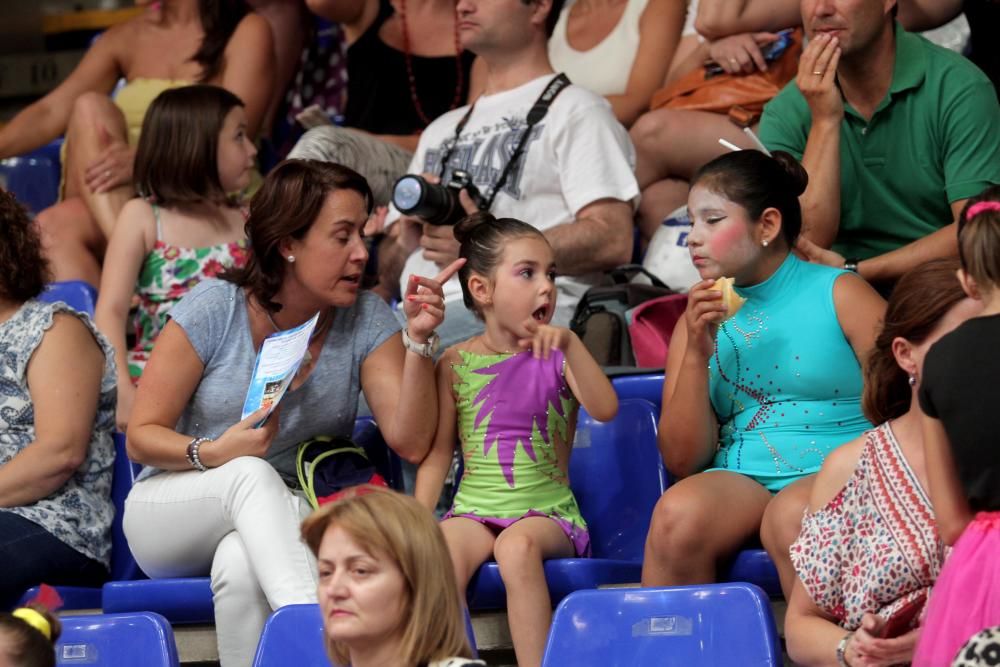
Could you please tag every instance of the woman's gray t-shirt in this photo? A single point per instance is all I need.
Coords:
(214, 317)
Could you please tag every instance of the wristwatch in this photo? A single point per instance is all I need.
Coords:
(427, 349)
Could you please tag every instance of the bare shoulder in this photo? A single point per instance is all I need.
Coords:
(68, 336)
(850, 287)
(139, 219)
(252, 29)
(449, 358)
(837, 469)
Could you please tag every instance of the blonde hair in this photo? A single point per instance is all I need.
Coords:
(385, 522)
(979, 238)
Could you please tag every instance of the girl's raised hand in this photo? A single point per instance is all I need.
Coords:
(705, 311)
(423, 303)
(543, 338)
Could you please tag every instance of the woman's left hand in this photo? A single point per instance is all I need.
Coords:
(423, 303)
(866, 649)
(543, 338)
(112, 169)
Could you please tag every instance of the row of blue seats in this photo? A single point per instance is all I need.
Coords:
(33, 178)
(716, 624)
(617, 475)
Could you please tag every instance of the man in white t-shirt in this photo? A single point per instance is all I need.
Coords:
(574, 180)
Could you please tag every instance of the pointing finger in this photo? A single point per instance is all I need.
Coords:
(450, 270)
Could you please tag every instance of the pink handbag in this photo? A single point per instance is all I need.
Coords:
(652, 326)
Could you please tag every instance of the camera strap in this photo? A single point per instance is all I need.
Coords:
(535, 116)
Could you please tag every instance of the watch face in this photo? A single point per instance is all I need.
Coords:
(434, 342)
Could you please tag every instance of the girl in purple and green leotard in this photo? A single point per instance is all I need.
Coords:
(510, 397)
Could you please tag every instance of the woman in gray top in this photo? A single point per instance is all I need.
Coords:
(212, 498)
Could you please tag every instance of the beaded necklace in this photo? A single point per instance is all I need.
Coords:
(412, 80)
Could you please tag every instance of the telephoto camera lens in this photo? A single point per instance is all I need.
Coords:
(436, 204)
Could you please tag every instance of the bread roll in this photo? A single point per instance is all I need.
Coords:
(730, 299)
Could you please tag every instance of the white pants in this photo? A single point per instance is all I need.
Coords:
(238, 522)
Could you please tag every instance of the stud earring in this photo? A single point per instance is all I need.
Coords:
(912, 381)
(291, 259)
(764, 243)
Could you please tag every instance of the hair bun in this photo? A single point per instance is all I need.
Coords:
(798, 178)
(465, 227)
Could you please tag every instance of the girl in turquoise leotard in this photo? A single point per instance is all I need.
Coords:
(752, 404)
(509, 396)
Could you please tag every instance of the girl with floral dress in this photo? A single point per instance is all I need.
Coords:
(510, 395)
(193, 151)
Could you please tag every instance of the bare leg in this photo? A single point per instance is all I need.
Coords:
(658, 201)
(96, 124)
(71, 241)
(670, 147)
(698, 521)
(781, 525)
(519, 551)
(470, 544)
(676, 143)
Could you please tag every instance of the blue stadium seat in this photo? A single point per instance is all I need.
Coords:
(79, 295)
(188, 600)
(123, 565)
(117, 640)
(33, 178)
(617, 476)
(648, 386)
(715, 624)
(293, 635)
(754, 566)
(182, 601)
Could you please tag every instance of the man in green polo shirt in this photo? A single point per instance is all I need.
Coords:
(895, 132)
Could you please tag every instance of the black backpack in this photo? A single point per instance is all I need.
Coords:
(600, 321)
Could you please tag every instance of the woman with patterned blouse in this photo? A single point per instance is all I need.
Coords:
(57, 409)
(869, 545)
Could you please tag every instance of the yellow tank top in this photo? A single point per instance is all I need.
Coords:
(135, 97)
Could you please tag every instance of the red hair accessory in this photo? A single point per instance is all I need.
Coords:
(48, 597)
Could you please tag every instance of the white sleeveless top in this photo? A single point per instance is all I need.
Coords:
(605, 68)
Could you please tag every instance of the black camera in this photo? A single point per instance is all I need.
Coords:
(436, 204)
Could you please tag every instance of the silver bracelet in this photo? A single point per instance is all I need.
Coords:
(192, 453)
(842, 650)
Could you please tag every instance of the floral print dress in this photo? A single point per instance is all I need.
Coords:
(168, 273)
(874, 547)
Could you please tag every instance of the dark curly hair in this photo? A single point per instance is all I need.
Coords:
(23, 269)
